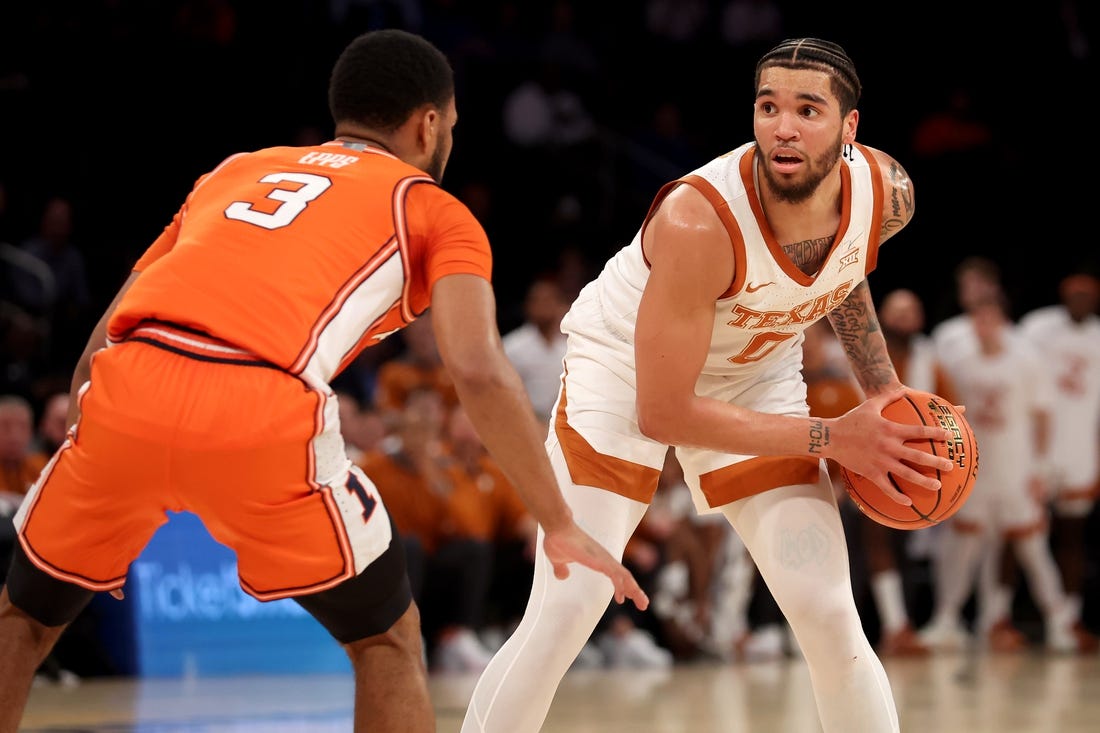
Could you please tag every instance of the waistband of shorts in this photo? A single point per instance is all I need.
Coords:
(193, 344)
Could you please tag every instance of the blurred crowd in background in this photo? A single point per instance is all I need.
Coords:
(571, 116)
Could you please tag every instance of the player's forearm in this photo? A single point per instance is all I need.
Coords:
(505, 420)
(859, 333)
(711, 424)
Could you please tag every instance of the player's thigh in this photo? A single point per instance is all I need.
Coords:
(299, 514)
(100, 498)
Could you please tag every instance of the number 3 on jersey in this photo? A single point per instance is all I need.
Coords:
(291, 201)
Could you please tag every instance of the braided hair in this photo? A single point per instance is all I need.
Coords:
(814, 53)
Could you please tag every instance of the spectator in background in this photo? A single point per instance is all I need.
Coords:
(545, 112)
(657, 152)
(449, 563)
(1067, 334)
(494, 513)
(888, 551)
(537, 346)
(679, 22)
(952, 130)
(977, 279)
(362, 428)
(67, 307)
(751, 23)
(19, 468)
(25, 369)
(688, 580)
(419, 365)
(19, 465)
(53, 425)
(977, 282)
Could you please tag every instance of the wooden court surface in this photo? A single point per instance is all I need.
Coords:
(1025, 693)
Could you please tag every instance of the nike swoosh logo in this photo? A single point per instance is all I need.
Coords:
(752, 287)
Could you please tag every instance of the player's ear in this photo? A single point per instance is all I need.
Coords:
(428, 122)
(851, 122)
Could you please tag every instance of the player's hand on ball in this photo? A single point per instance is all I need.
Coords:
(918, 507)
(885, 451)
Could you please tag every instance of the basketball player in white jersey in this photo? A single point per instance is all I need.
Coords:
(977, 279)
(1068, 335)
(902, 316)
(1008, 396)
(691, 337)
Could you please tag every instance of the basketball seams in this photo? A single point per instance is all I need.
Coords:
(867, 508)
(929, 410)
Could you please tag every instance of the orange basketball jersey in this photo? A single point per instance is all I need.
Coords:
(305, 256)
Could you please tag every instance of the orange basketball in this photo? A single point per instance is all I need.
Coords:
(928, 508)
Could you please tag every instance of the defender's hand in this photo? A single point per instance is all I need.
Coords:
(572, 544)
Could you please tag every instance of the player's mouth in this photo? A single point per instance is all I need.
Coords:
(786, 161)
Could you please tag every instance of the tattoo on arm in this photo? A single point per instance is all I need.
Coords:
(901, 201)
(819, 436)
(858, 330)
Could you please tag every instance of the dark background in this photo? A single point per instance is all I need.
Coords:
(122, 104)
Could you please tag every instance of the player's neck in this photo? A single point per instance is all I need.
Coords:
(360, 140)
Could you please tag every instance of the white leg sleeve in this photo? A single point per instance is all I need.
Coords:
(795, 535)
(1044, 581)
(514, 692)
(956, 567)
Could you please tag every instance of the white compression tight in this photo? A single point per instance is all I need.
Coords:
(795, 537)
(514, 692)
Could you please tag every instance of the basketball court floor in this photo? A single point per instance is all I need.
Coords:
(987, 693)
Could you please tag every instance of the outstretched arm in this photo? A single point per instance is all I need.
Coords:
(464, 318)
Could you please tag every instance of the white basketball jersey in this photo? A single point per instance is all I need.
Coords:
(1071, 354)
(1000, 392)
(759, 320)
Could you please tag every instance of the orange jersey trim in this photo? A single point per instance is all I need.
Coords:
(757, 475)
(589, 467)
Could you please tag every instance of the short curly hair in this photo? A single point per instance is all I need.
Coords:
(814, 53)
(382, 76)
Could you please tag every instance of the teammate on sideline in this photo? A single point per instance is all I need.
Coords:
(1068, 334)
(212, 394)
(691, 336)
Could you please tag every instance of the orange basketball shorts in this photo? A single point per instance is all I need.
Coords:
(173, 420)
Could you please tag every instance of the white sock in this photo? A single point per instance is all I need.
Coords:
(1073, 608)
(889, 600)
(1043, 577)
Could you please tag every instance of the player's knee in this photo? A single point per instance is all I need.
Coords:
(583, 596)
(403, 636)
(818, 609)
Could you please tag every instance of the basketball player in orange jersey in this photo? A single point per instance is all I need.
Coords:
(691, 336)
(205, 387)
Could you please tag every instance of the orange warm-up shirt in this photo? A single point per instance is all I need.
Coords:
(305, 256)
